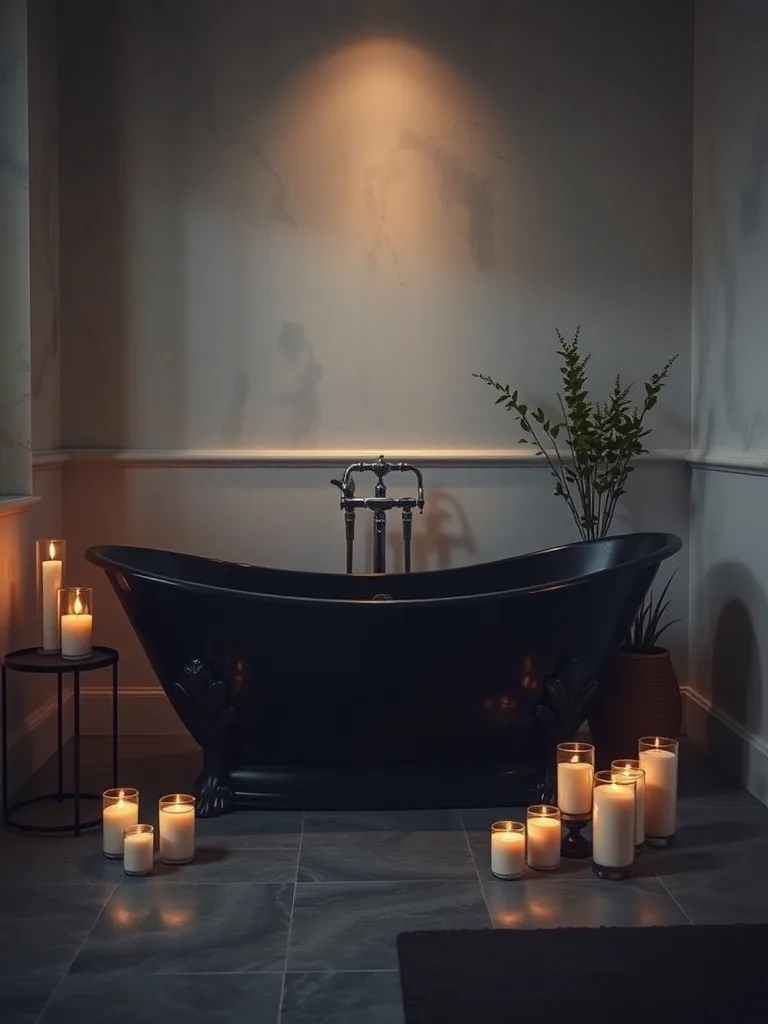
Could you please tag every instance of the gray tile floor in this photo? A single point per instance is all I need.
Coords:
(291, 918)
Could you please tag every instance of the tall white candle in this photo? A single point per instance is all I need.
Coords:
(76, 631)
(139, 853)
(660, 767)
(613, 825)
(544, 843)
(51, 583)
(507, 853)
(177, 832)
(574, 787)
(115, 820)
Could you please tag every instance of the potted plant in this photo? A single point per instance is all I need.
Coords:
(642, 697)
(588, 445)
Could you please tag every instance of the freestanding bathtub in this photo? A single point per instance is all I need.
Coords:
(443, 688)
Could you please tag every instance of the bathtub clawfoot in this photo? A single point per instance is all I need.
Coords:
(204, 705)
(563, 707)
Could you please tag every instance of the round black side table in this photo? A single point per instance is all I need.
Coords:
(32, 660)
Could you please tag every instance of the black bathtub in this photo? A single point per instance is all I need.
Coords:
(444, 688)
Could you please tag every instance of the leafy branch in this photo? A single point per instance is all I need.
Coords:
(601, 438)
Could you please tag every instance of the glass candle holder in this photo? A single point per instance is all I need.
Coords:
(139, 850)
(76, 616)
(613, 825)
(658, 758)
(508, 849)
(120, 810)
(575, 782)
(631, 766)
(50, 576)
(543, 847)
(177, 828)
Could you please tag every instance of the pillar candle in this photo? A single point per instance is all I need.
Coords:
(544, 843)
(177, 832)
(507, 854)
(613, 826)
(115, 820)
(574, 788)
(51, 582)
(76, 634)
(660, 767)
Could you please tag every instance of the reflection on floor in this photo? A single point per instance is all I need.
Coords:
(292, 917)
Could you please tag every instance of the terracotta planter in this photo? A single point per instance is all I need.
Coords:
(638, 695)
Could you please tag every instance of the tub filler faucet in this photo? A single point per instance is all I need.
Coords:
(379, 504)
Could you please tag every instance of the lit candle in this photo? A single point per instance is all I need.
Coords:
(574, 787)
(139, 850)
(544, 832)
(76, 627)
(177, 828)
(120, 810)
(631, 767)
(51, 569)
(658, 759)
(613, 823)
(508, 849)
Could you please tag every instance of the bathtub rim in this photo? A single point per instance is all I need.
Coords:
(670, 545)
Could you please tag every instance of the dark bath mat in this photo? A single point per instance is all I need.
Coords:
(712, 973)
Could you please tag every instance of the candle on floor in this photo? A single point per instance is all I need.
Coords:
(631, 766)
(50, 561)
(75, 604)
(575, 777)
(139, 850)
(177, 828)
(120, 810)
(658, 759)
(508, 849)
(613, 825)
(543, 837)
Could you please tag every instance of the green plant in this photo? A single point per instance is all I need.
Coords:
(647, 627)
(601, 438)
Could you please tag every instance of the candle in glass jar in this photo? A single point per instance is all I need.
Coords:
(76, 630)
(574, 787)
(628, 766)
(51, 569)
(544, 832)
(139, 850)
(120, 810)
(658, 759)
(613, 825)
(177, 828)
(508, 849)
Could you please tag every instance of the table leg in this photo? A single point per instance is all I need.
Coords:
(5, 745)
(77, 753)
(114, 725)
(60, 734)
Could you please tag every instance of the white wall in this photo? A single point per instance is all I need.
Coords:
(304, 232)
(729, 565)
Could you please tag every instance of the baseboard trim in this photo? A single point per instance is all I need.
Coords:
(142, 711)
(747, 464)
(739, 752)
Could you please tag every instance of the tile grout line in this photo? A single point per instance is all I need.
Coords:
(679, 905)
(78, 951)
(477, 871)
(290, 921)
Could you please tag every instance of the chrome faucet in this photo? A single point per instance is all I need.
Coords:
(379, 505)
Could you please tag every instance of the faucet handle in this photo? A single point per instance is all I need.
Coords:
(349, 490)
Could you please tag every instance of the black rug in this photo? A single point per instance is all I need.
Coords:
(586, 975)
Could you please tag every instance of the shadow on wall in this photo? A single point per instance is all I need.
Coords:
(735, 664)
(438, 535)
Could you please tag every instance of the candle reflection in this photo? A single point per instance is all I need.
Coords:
(176, 917)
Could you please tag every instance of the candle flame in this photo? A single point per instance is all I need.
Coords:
(51, 551)
(627, 769)
(656, 743)
(78, 606)
(575, 759)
